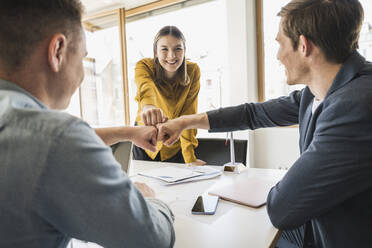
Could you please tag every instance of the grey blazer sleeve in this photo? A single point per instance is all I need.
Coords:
(282, 111)
(334, 168)
(84, 194)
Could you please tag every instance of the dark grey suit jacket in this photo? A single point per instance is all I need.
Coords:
(330, 185)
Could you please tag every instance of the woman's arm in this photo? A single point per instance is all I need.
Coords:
(146, 96)
(152, 115)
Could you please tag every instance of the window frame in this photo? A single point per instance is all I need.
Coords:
(260, 51)
(261, 55)
(122, 14)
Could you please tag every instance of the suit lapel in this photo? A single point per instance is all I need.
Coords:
(348, 71)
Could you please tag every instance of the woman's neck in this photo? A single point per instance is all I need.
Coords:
(170, 76)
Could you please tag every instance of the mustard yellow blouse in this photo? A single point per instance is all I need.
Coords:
(174, 100)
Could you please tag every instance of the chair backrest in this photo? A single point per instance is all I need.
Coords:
(216, 152)
(123, 154)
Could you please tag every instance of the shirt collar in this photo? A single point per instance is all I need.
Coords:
(347, 72)
(6, 85)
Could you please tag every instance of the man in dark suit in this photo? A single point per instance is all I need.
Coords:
(325, 199)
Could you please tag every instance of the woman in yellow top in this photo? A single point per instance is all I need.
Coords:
(167, 88)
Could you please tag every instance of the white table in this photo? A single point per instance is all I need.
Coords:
(233, 225)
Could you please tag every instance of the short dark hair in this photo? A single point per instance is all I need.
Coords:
(159, 71)
(24, 23)
(332, 25)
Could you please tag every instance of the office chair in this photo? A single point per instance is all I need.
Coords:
(215, 152)
(122, 152)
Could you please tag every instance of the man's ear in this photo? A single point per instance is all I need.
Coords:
(305, 45)
(57, 52)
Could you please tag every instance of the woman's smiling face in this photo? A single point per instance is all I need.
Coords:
(170, 52)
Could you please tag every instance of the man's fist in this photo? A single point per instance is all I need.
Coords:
(169, 132)
(145, 137)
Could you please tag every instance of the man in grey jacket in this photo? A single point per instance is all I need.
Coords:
(325, 199)
(58, 179)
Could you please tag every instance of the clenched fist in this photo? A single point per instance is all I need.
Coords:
(152, 115)
(145, 137)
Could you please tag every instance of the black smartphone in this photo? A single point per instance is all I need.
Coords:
(205, 204)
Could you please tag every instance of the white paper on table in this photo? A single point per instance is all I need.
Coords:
(170, 174)
(203, 177)
(174, 174)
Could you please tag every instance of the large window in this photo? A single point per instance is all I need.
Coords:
(102, 91)
(274, 82)
(99, 100)
(274, 77)
(205, 45)
(365, 41)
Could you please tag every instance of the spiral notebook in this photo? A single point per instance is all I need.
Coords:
(251, 192)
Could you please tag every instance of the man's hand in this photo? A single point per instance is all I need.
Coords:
(170, 131)
(145, 190)
(152, 115)
(145, 137)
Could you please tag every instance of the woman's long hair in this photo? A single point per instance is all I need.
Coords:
(182, 70)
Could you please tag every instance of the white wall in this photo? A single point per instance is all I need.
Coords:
(276, 147)
(268, 148)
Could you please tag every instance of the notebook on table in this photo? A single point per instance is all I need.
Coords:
(251, 192)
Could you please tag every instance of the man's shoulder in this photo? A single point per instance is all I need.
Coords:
(58, 121)
(44, 122)
(352, 102)
(358, 87)
(365, 74)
